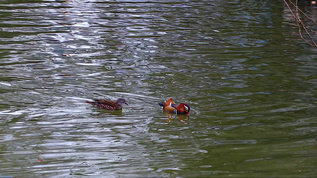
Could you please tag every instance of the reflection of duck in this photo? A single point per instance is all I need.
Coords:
(109, 104)
(170, 107)
(181, 117)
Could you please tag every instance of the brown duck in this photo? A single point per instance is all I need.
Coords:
(109, 104)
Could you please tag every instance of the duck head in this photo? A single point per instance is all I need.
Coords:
(121, 101)
(183, 108)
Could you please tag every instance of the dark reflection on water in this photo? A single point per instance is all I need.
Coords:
(250, 81)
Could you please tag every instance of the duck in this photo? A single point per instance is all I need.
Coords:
(170, 107)
(109, 104)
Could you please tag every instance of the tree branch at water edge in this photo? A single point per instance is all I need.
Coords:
(306, 33)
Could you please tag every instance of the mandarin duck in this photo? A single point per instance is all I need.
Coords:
(170, 107)
(109, 104)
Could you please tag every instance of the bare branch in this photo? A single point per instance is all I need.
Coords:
(300, 23)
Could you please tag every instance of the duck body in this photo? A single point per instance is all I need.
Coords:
(108, 104)
(170, 107)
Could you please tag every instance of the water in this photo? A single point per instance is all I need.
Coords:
(249, 79)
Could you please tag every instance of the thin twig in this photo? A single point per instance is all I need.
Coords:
(300, 23)
(303, 13)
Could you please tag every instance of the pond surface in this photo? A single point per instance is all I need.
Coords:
(250, 80)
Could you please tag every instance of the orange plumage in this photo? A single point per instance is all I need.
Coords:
(169, 102)
(183, 108)
(169, 107)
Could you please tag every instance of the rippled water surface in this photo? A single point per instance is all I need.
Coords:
(250, 80)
